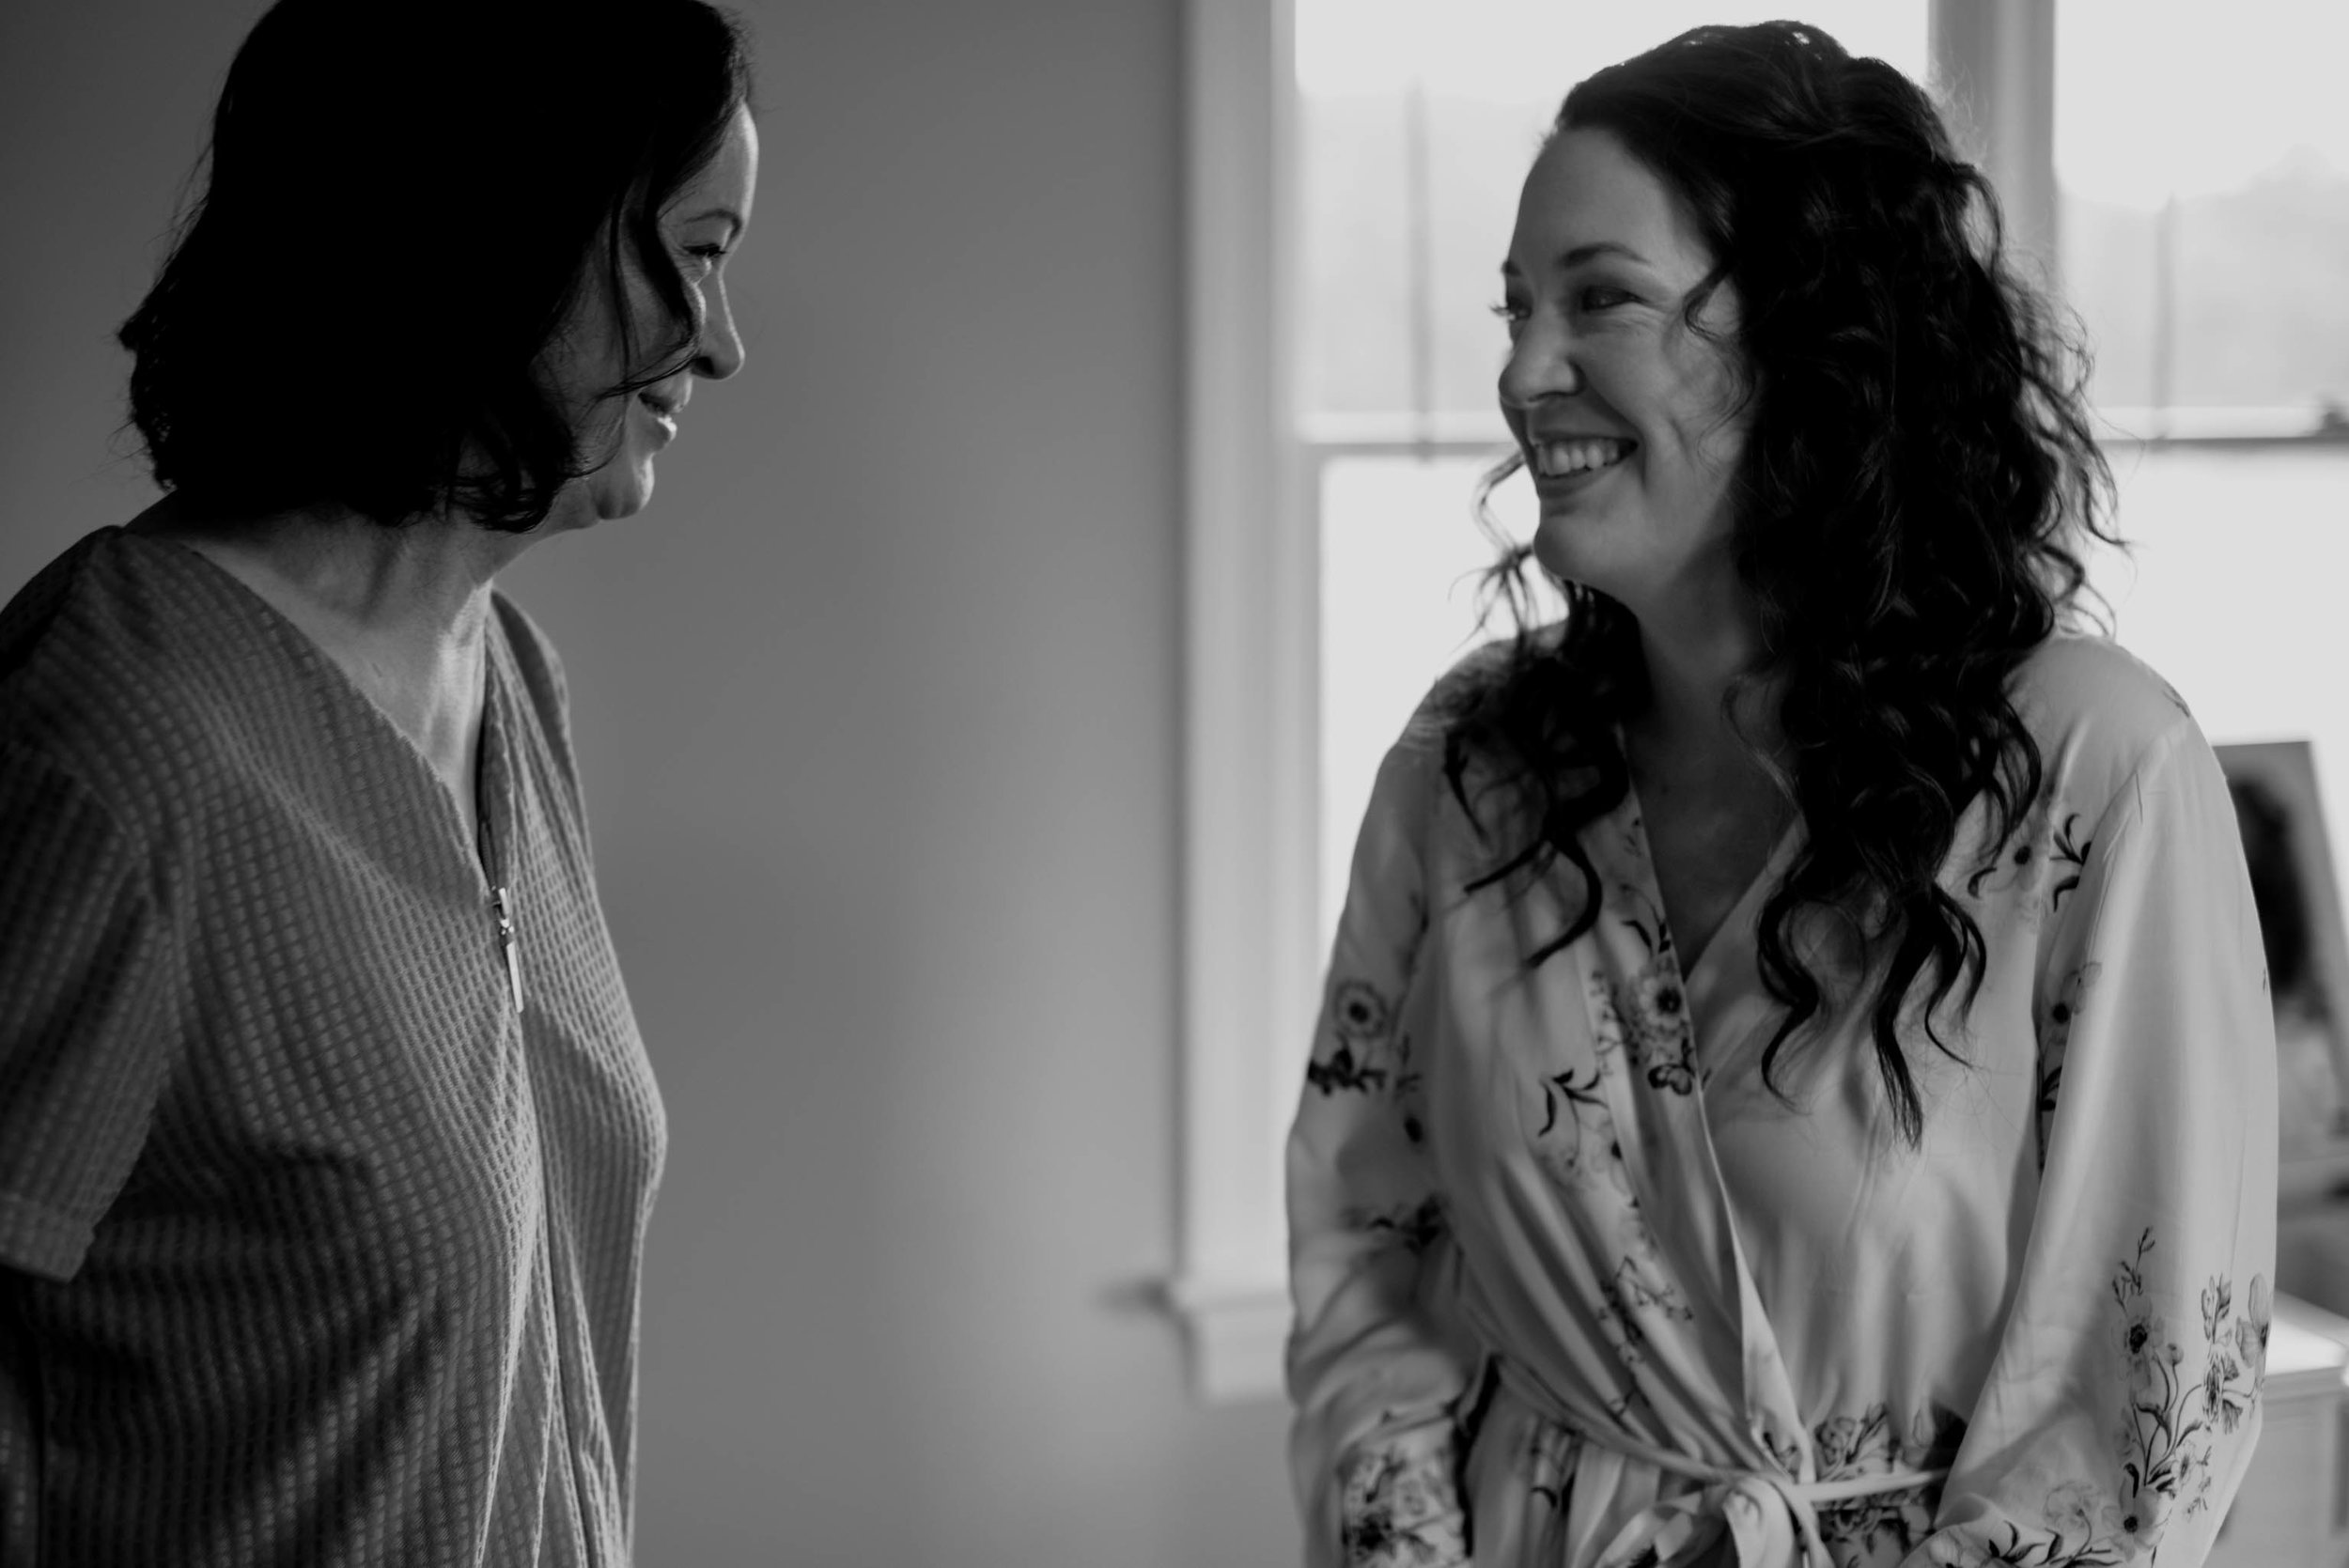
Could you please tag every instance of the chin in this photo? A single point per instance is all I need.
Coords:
(1560, 553)
(621, 491)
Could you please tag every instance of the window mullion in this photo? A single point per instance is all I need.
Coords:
(1249, 723)
(1994, 63)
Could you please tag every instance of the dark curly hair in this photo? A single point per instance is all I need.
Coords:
(1917, 469)
(404, 203)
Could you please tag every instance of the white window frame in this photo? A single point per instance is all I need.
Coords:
(1251, 763)
(1252, 975)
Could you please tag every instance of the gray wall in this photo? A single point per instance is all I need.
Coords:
(878, 710)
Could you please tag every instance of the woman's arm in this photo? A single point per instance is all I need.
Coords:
(2123, 1401)
(1371, 1374)
(91, 966)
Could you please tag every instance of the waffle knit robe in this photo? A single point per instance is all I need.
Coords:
(316, 1248)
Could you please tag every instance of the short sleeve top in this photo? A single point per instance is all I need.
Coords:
(324, 1249)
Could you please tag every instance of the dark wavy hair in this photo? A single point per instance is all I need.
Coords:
(1918, 470)
(404, 205)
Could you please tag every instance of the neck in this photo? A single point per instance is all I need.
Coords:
(1689, 744)
(412, 596)
(404, 611)
(1691, 669)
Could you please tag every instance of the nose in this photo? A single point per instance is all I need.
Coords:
(1541, 363)
(719, 353)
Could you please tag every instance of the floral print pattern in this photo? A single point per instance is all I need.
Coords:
(1364, 1055)
(1658, 1252)
(1576, 1144)
(2173, 1418)
(2165, 1440)
(2040, 866)
(1398, 1511)
(2055, 1039)
(1414, 1226)
(1869, 1528)
(1645, 1017)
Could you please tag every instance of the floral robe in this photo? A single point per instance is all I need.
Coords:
(1549, 1228)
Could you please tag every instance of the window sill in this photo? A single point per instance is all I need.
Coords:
(1234, 1333)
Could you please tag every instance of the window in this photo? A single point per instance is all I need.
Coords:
(2205, 241)
(1354, 174)
(1416, 124)
(2207, 253)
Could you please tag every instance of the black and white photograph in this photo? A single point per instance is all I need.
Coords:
(1173, 784)
(2289, 853)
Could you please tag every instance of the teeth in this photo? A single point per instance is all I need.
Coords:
(1558, 458)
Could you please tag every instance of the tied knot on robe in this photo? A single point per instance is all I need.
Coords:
(1760, 1517)
(1738, 1518)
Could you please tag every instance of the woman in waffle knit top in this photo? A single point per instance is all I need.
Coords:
(1795, 1085)
(327, 1140)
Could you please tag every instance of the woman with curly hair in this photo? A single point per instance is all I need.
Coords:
(1795, 1085)
(327, 1138)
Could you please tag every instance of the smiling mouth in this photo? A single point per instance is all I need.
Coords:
(1563, 459)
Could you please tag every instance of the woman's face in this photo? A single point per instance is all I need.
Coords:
(1625, 415)
(702, 225)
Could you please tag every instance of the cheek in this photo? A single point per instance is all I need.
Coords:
(1712, 413)
(604, 428)
(1720, 443)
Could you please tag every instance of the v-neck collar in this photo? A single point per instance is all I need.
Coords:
(493, 790)
(1678, 1174)
(1700, 978)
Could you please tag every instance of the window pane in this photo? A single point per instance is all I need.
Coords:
(1352, 150)
(2204, 209)
(2231, 594)
(1400, 561)
(2234, 594)
(1416, 125)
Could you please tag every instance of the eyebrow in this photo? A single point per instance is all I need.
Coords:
(1581, 254)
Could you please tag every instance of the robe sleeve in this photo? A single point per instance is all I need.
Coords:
(2122, 1402)
(91, 965)
(1375, 1379)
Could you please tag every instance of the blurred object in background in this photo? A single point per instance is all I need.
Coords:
(2287, 849)
(2204, 212)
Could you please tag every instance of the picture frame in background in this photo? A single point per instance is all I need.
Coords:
(2291, 860)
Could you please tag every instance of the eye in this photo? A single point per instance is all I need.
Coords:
(1511, 312)
(1601, 296)
(709, 256)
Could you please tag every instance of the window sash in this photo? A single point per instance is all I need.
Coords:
(1251, 969)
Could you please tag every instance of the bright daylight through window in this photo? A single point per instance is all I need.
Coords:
(2204, 251)
(1348, 222)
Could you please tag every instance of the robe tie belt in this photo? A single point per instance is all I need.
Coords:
(1770, 1518)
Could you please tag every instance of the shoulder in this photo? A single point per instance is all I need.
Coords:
(1471, 680)
(119, 666)
(2080, 677)
(2103, 718)
(1486, 673)
(1474, 684)
(65, 607)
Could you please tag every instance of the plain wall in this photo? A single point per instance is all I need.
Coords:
(879, 711)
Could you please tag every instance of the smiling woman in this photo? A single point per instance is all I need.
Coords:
(1796, 1070)
(1618, 393)
(327, 1140)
